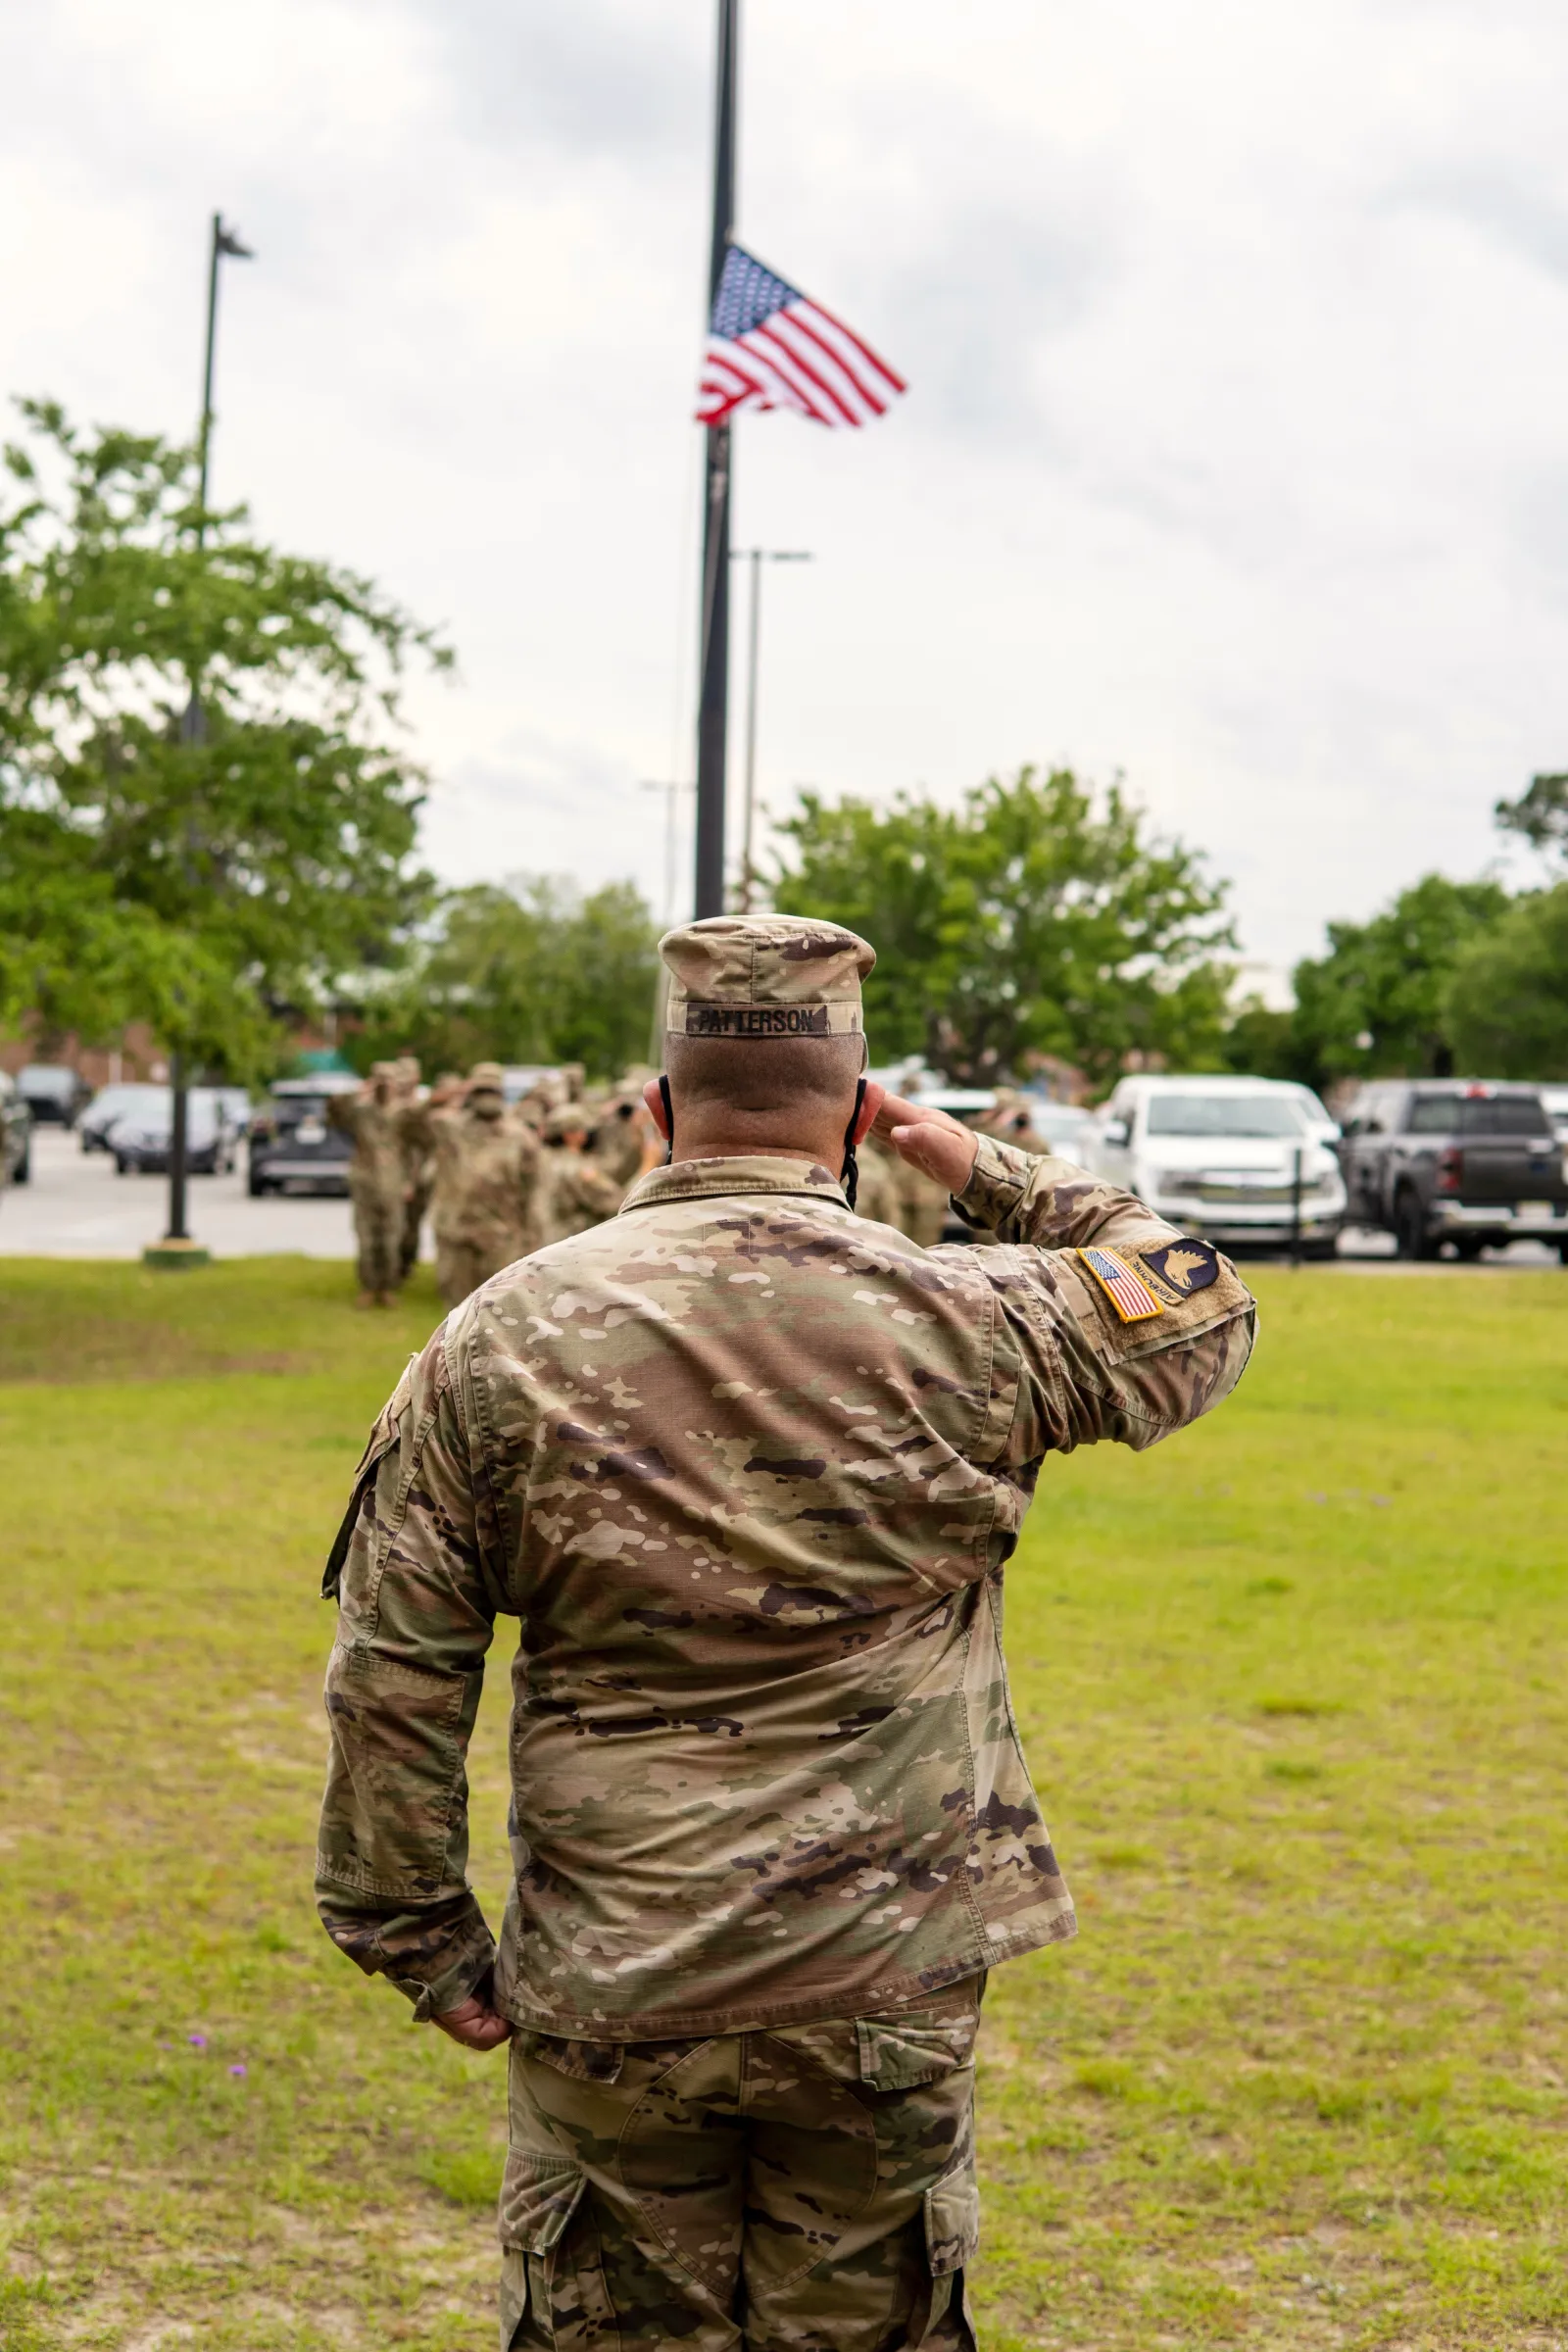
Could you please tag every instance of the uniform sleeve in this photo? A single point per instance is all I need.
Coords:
(1114, 1324)
(415, 1617)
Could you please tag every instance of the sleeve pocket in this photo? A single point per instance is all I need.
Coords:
(953, 2220)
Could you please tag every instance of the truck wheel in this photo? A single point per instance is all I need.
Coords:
(256, 1186)
(22, 1173)
(1410, 1227)
(1468, 1248)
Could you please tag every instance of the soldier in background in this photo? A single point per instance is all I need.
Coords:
(1010, 1119)
(573, 1193)
(374, 1117)
(485, 1205)
(622, 1135)
(418, 1173)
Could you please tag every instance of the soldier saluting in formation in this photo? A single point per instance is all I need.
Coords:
(375, 1120)
(483, 1198)
(748, 1469)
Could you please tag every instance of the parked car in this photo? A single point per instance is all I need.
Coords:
(16, 1133)
(1219, 1157)
(52, 1092)
(293, 1148)
(141, 1140)
(1554, 1102)
(1064, 1126)
(1463, 1160)
(112, 1102)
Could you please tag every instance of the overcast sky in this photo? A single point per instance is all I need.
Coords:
(1235, 459)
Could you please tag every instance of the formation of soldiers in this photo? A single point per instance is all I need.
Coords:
(497, 1180)
(500, 1180)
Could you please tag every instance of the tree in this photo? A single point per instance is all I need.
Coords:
(1037, 918)
(1506, 1001)
(534, 972)
(202, 820)
(1539, 815)
(1374, 1005)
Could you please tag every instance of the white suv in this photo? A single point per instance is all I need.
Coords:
(1224, 1157)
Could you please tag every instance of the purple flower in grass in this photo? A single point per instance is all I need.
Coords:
(198, 2042)
(239, 2069)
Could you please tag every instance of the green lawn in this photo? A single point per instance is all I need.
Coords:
(1294, 1689)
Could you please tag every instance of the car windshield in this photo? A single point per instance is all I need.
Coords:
(44, 1078)
(1264, 1115)
(115, 1101)
(1477, 1114)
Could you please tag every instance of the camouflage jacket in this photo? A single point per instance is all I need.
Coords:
(747, 1468)
(486, 1181)
(378, 1129)
(575, 1193)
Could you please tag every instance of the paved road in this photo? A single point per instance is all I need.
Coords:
(77, 1207)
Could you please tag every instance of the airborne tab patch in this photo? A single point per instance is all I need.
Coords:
(1128, 1293)
(1187, 1266)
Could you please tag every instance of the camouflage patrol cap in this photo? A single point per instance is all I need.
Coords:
(486, 1078)
(573, 1118)
(764, 975)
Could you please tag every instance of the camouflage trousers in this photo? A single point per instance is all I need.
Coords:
(414, 1215)
(378, 1239)
(460, 1268)
(811, 2188)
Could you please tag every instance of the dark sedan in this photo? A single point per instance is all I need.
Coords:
(294, 1147)
(140, 1142)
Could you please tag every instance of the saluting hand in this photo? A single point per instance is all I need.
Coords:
(939, 1146)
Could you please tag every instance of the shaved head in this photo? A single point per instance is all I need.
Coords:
(785, 1075)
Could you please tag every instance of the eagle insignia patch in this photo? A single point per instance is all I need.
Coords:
(1127, 1292)
(1187, 1266)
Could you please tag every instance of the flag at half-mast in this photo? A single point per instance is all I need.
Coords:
(769, 348)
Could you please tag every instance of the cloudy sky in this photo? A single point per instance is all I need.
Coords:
(1236, 457)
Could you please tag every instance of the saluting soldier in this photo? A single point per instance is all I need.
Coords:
(484, 1209)
(748, 1469)
(575, 1193)
(374, 1117)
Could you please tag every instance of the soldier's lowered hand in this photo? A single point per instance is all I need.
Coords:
(938, 1146)
(474, 2023)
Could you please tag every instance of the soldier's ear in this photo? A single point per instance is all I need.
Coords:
(871, 1102)
(655, 1096)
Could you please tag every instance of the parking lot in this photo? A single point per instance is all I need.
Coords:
(77, 1207)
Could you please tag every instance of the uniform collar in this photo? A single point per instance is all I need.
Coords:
(703, 1179)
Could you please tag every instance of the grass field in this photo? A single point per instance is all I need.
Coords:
(1293, 1689)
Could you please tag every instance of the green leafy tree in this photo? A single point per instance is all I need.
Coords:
(1539, 815)
(1375, 1004)
(1037, 918)
(1506, 1001)
(206, 810)
(533, 973)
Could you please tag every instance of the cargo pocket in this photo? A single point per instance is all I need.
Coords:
(951, 2237)
(904, 2048)
(561, 2284)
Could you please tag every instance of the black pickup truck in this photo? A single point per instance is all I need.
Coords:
(1436, 1160)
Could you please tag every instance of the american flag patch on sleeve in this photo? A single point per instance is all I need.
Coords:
(1131, 1296)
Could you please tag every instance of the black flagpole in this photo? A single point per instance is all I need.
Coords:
(712, 710)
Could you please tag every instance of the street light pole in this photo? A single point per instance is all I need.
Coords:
(176, 1248)
(756, 557)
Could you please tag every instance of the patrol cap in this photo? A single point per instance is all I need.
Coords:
(486, 1078)
(764, 975)
(571, 1118)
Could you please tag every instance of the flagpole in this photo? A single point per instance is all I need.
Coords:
(712, 708)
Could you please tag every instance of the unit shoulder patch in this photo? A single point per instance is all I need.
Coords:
(1127, 1292)
(1183, 1267)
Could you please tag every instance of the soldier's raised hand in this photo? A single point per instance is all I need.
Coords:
(938, 1146)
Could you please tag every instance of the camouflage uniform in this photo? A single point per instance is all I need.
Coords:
(748, 1469)
(375, 1178)
(622, 1132)
(419, 1169)
(574, 1191)
(484, 1207)
(876, 1195)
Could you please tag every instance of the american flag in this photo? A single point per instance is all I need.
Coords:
(1132, 1299)
(769, 348)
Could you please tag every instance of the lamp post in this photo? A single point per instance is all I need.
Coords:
(756, 557)
(177, 1247)
(713, 708)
